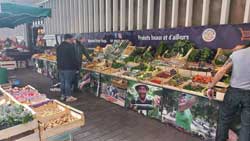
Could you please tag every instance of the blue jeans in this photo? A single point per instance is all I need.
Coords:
(235, 100)
(66, 79)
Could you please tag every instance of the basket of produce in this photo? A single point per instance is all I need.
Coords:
(64, 119)
(120, 83)
(48, 110)
(180, 50)
(221, 56)
(17, 123)
(177, 80)
(202, 79)
(162, 76)
(26, 95)
(128, 51)
(195, 87)
(200, 60)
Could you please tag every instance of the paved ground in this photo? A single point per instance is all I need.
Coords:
(106, 121)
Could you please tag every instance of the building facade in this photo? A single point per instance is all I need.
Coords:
(83, 16)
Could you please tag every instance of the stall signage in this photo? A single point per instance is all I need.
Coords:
(219, 36)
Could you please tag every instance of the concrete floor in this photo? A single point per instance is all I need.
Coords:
(106, 121)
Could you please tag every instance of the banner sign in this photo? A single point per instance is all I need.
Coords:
(219, 36)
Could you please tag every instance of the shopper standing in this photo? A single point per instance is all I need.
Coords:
(80, 50)
(237, 96)
(67, 67)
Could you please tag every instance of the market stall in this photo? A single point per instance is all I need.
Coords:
(12, 15)
(175, 64)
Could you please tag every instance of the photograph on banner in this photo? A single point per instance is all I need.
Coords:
(192, 114)
(144, 99)
(114, 90)
(88, 81)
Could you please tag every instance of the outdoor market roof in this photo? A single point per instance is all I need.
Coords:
(12, 15)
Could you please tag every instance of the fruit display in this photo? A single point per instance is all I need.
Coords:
(157, 81)
(202, 79)
(64, 119)
(27, 95)
(50, 57)
(48, 109)
(11, 115)
(194, 87)
(177, 80)
(164, 75)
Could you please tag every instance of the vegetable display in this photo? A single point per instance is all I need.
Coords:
(47, 110)
(65, 119)
(201, 55)
(194, 87)
(194, 56)
(164, 75)
(161, 49)
(202, 79)
(222, 57)
(206, 55)
(11, 115)
(177, 80)
(117, 65)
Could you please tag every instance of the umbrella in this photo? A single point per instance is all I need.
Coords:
(12, 15)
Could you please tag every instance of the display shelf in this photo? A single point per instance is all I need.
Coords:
(219, 96)
(116, 73)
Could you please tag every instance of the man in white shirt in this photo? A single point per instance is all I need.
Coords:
(237, 97)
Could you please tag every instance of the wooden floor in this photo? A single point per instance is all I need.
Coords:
(106, 121)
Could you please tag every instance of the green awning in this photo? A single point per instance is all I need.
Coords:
(12, 15)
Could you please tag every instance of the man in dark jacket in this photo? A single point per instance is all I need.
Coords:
(67, 66)
(80, 50)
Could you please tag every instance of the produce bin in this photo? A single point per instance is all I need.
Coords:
(45, 128)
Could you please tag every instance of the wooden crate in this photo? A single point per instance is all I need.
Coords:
(43, 119)
(10, 65)
(20, 129)
(79, 122)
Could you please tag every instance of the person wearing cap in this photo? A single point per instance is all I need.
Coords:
(67, 66)
(237, 97)
(142, 104)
